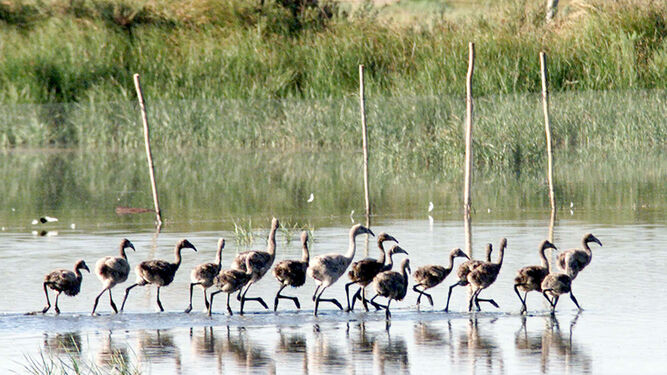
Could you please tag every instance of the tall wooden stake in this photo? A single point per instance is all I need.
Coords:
(149, 155)
(364, 135)
(547, 128)
(468, 160)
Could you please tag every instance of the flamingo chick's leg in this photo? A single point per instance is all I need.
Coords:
(356, 296)
(278, 295)
(48, 303)
(347, 295)
(113, 305)
(192, 285)
(159, 303)
(523, 301)
(97, 299)
(449, 295)
(127, 292)
(575, 300)
(57, 309)
(210, 306)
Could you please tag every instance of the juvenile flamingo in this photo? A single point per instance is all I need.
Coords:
(111, 271)
(430, 276)
(530, 278)
(392, 285)
(260, 263)
(482, 276)
(64, 281)
(292, 273)
(158, 272)
(555, 285)
(395, 249)
(464, 269)
(230, 281)
(327, 269)
(573, 261)
(204, 274)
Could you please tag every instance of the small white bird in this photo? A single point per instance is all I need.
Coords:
(44, 219)
(351, 216)
(311, 198)
(430, 206)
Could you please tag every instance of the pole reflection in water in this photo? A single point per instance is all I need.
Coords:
(292, 348)
(325, 355)
(390, 356)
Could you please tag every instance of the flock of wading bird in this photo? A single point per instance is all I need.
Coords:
(250, 266)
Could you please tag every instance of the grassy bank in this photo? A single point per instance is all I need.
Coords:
(87, 50)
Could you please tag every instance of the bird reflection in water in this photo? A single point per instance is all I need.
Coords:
(391, 356)
(429, 335)
(479, 349)
(361, 344)
(326, 355)
(292, 348)
(158, 347)
(245, 352)
(63, 343)
(111, 356)
(553, 347)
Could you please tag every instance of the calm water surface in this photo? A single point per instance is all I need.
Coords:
(621, 329)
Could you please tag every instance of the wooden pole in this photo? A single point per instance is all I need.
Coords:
(547, 128)
(468, 160)
(149, 155)
(364, 135)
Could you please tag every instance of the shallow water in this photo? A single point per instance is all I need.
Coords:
(621, 329)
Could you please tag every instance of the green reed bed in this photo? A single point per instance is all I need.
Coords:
(87, 50)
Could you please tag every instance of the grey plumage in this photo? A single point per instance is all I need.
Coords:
(63, 281)
(573, 261)
(530, 278)
(555, 285)
(362, 272)
(482, 276)
(158, 272)
(464, 269)
(292, 273)
(230, 281)
(430, 276)
(392, 285)
(112, 271)
(259, 262)
(205, 273)
(327, 269)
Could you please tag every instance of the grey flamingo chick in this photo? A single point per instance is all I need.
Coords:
(464, 269)
(230, 281)
(204, 274)
(363, 272)
(392, 285)
(482, 276)
(64, 281)
(328, 268)
(530, 278)
(573, 261)
(429, 276)
(111, 271)
(555, 285)
(260, 263)
(158, 272)
(395, 249)
(292, 273)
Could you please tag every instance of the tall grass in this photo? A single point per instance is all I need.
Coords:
(84, 50)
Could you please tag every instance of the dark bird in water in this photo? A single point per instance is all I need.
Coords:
(158, 272)
(392, 285)
(292, 273)
(64, 281)
(482, 276)
(555, 285)
(328, 268)
(464, 269)
(387, 267)
(260, 263)
(230, 281)
(573, 261)
(111, 271)
(429, 276)
(204, 274)
(363, 271)
(530, 278)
